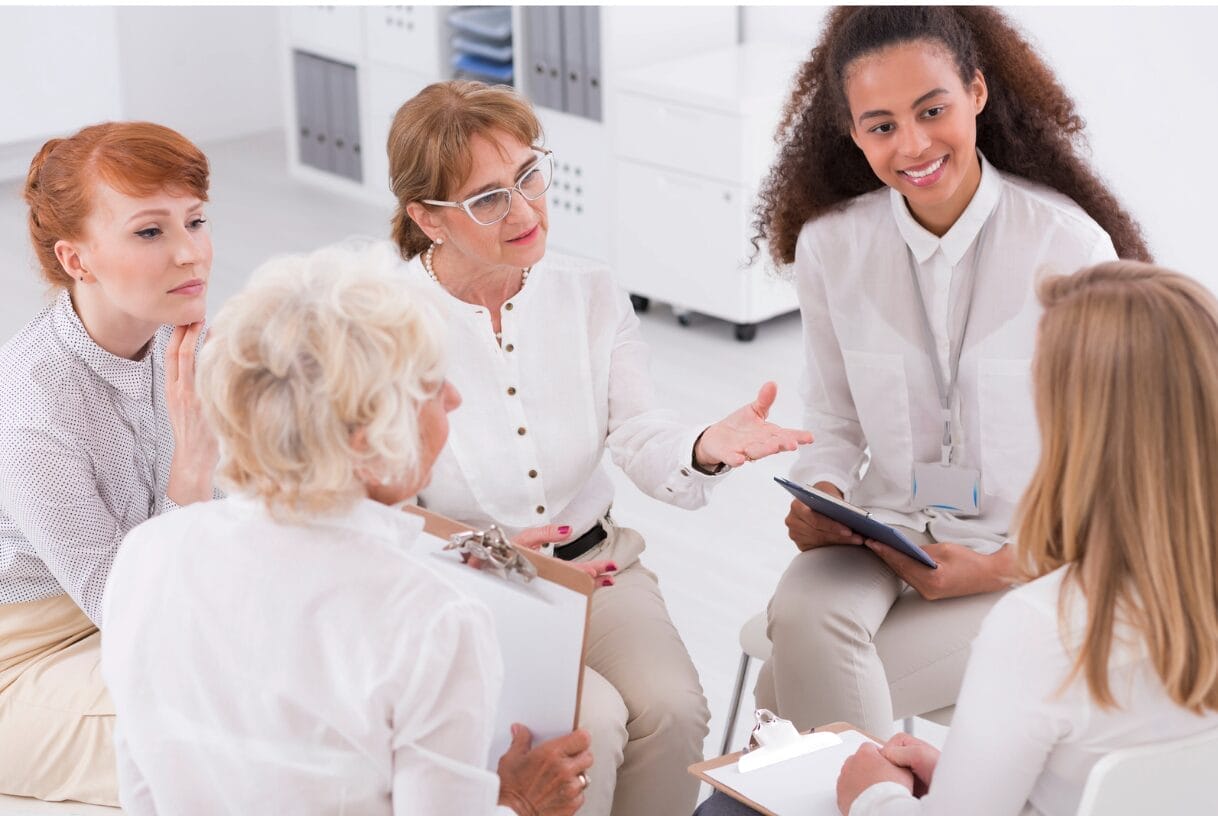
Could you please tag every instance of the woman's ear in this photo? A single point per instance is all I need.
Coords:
(979, 91)
(68, 255)
(426, 219)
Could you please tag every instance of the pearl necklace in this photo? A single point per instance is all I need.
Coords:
(431, 273)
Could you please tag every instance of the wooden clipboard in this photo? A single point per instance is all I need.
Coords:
(550, 569)
(699, 769)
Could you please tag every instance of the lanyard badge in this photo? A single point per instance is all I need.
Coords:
(943, 485)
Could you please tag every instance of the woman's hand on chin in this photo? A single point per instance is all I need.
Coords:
(746, 436)
(196, 450)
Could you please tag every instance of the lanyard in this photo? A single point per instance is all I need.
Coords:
(947, 388)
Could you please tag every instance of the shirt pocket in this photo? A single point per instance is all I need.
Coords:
(1010, 440)
(881, 400)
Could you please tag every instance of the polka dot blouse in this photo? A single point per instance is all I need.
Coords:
(85, 450)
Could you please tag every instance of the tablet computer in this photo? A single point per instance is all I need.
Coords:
(857, 519)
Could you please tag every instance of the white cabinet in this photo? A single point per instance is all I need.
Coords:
(693, 141)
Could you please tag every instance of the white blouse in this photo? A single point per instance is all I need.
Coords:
(1016, 745)
(87, 448)
(537, 414)
(869, 388)
(320, 668)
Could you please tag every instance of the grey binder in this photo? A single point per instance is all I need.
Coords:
(543, 44)
(310, 110)
(592, 63)
(573, 61)
(342, 109)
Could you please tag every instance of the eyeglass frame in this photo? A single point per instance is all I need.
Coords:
(546, 153)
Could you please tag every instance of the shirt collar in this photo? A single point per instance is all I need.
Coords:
(366, 517)
(923, 243)
(132, 378)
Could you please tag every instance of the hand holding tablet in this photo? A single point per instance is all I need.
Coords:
(856, 519)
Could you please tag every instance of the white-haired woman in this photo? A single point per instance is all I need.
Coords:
(548, 352)
(284, 649)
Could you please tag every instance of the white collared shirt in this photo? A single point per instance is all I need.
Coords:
(1019, 743)
(869, 388)
(322, 668)
(537, 413)
(87, 448)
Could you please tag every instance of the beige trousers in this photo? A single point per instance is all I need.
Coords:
(642, 702)
(853, 642)
(56, 718)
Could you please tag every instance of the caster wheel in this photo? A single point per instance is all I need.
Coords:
(745, 332)
(684, 319)
(640, 303)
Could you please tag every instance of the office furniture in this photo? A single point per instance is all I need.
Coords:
(1171, 777)
(693, 139)
(566, 59)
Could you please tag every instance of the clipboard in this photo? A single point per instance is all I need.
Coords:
(857, 519)
(704, 770)
(542, 628)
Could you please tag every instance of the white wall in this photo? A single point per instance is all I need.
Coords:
(1143, 78)
(210, 72)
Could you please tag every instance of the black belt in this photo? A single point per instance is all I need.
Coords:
(576, 548)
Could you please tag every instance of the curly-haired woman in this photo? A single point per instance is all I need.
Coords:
(930, 171)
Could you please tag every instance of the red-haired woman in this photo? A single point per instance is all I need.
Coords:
(100, 429)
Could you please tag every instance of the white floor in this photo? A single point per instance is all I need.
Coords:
(717, 565)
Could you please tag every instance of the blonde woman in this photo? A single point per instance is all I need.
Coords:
(548, 354)
(284, 649)
(1115, 644)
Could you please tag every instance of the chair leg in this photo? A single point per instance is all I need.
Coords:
(907, 725)
(729, 727)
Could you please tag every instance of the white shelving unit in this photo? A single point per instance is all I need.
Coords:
(398, 50)
(687, 179)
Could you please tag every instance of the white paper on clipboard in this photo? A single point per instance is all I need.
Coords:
(540, 627)
(803, 786)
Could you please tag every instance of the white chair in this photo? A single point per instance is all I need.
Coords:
(1168, 778)
(755, 645)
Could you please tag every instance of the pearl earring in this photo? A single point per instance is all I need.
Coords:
(439, 242)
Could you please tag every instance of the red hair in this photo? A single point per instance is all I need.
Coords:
(134, 158)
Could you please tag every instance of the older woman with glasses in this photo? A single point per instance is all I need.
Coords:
(286, 650)
(548, 355)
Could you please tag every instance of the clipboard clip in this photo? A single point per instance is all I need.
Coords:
(776, 740)
(495, 552)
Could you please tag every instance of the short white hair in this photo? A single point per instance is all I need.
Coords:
(315, 348)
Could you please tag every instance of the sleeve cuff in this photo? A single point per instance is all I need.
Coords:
(873, 800)
(720, 469)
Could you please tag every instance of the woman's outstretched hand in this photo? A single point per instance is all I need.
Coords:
(746, 436)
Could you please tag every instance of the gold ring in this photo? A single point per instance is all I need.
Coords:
(584, 779)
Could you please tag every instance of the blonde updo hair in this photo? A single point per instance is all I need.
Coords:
(429, 144)
(315, 349)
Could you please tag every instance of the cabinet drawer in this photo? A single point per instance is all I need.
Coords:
(327, 30)
(679, 136)
(406, 36)
(681, 239)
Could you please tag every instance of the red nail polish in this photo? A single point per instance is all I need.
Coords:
(564, 530)
(612, 567)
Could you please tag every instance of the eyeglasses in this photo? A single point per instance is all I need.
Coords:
(493, 206)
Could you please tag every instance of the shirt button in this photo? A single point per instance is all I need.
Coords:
(684, 471)
(532, 474)
(509, 347)
(521, 431)
(507, 306)
(511, 390)
(540, 509)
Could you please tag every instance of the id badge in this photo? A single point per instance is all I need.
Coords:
(956, 490)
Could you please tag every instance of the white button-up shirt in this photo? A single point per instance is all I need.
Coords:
(1018, 742)
(570, 380)
(869, 389)
(322, 668)
(87, 447)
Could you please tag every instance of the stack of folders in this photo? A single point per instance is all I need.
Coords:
(482, 43)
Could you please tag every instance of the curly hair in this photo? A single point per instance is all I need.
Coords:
(1029, 126)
